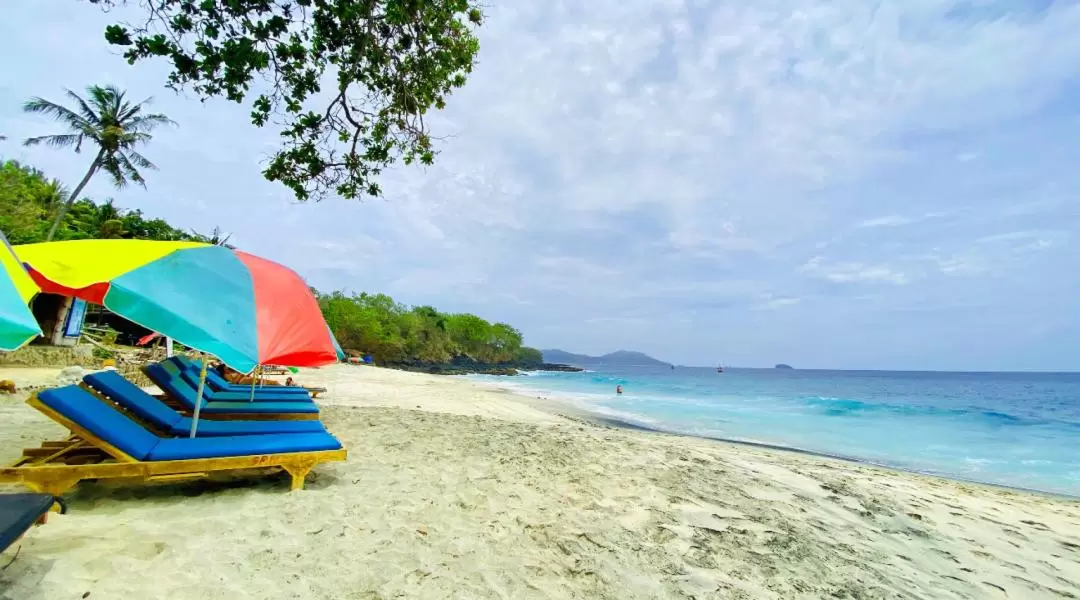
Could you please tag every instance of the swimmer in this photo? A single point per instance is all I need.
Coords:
(618, 390)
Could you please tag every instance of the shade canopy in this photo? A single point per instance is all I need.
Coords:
(17, 323)
(244, 309)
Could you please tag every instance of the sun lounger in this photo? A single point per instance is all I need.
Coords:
(19, 512)
(180, 391)
(148, 409)
(190, 376)
(219, 384)
(126, 450)
(262, 394)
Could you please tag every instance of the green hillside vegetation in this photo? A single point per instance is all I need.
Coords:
(423, 338)
(420, 337)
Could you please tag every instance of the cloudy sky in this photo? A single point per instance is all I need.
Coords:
(857, 184)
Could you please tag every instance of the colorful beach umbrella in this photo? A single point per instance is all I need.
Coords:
(17, 323)
(246, 310)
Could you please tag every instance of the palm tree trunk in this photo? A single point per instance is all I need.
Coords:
(75, 194)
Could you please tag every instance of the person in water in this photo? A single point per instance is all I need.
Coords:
(618, 390)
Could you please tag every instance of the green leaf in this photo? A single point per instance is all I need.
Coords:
(394, 61)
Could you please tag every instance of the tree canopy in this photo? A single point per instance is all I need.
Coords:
(349, 82)
(393, 333)
(29, 200)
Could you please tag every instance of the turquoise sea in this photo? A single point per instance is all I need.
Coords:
(1014, 429)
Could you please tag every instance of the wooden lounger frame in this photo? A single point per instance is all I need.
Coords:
(56, 467)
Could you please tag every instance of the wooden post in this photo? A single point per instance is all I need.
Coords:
(57, 337)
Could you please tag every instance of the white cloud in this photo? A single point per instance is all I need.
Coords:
(678, 159)
(889, 221)
(853, 272)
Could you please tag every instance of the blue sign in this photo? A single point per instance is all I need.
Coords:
(73, 324)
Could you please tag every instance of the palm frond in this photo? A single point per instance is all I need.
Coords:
(60, 113)
(131, 111)
(139, 160)
(106, 101)
(86, 112)
(62, 140)
(144, 123)
(111, 165)
(130, 172)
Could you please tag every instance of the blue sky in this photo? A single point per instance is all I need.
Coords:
(848, 184)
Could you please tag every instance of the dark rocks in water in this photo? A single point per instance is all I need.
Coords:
(561, 368)
(783, 366)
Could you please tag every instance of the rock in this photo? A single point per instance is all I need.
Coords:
(74, 375)
(560, 368)
(783, 366)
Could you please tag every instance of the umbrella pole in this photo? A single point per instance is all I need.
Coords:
(255, 373)
(198, 397)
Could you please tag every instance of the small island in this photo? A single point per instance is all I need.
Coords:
(783, 366)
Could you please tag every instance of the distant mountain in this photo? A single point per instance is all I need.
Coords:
(617, 358)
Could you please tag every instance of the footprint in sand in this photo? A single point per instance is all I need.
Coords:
(946, 554)
(1036, 525)
(1016, 534)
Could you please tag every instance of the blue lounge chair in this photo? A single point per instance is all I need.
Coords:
(190, 376)
(19, 512)
(264, 394)
(154, 412)
(181, 392)
(219, 384)
(126, 450)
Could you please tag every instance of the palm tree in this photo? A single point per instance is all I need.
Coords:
(110, 122)
(217, 237)
(53, 195)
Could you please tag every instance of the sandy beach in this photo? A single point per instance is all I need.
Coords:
(454, 490)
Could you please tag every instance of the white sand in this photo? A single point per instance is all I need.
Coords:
(478, 495)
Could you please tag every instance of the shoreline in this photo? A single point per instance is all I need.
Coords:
(601, 420)
(604, 421)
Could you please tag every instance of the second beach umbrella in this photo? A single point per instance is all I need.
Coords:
(17, 323)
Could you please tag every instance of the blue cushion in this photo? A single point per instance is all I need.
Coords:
(115, 428)
(269, 408)
(100, 419)
(244, 445)
(131, 397)
(209, 428)
(265, 394)
(155, 412)
(185, 395)
(220, 384)
(171, 386)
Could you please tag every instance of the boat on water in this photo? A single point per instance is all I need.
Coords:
(720, 368)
